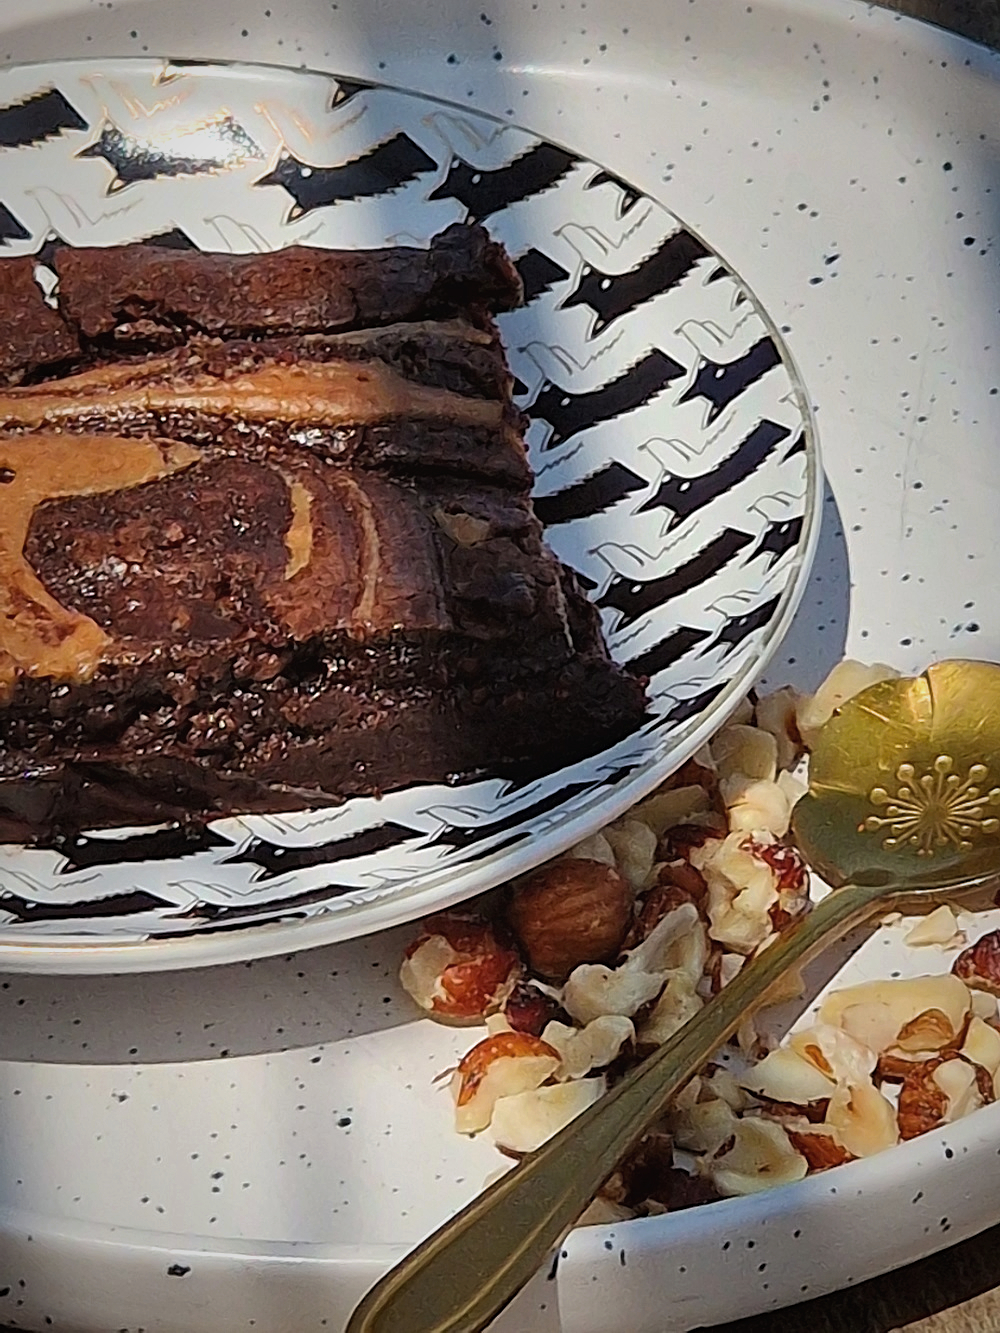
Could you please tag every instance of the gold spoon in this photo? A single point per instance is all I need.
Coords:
(903, 801)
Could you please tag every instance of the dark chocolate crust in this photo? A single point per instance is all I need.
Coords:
(32, 334)
(268, 533)
(148, 293)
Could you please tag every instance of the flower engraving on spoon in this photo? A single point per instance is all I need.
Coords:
(935, 809)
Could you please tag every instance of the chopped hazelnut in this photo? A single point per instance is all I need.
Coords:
(820, 1149)
(457, 969)
(928, 1099)
(501, 1065)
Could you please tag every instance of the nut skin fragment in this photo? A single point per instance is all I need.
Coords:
(683, 876)
(692, 774)
(652, 908)
(527, 1009)
(923, 1105)
(929, 1031)
(821, 1151)
(648, 1176)
(679, 842)
(568, 913)
(814, 1112)
(893, 1069)
(979, 965)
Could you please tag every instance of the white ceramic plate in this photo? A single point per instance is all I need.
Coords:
(122, 1098)
(674, 452)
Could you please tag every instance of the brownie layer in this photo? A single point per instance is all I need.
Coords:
(427, 397)
(148, 294)
(319, 728)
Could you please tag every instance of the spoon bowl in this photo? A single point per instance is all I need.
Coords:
(903, 803)
(904, 782)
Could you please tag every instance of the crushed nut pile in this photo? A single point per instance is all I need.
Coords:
(582, 967)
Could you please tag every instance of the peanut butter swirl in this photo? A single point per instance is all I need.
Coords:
(339, 393)
(39, 636)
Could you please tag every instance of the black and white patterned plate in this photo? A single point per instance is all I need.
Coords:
(673, 445)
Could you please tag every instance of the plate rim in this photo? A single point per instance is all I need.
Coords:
(587, 1244)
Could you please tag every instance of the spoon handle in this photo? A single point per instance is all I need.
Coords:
(464, 1274)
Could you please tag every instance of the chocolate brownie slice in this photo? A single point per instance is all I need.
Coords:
(288, 555)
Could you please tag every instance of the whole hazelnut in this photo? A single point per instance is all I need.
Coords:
(568, 913)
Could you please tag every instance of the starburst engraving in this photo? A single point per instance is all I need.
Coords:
(937, 809)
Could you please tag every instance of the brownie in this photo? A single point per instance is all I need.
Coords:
(32, 333)
(266, 542)
(147, 292)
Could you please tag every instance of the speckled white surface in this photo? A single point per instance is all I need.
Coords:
(866, 223)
